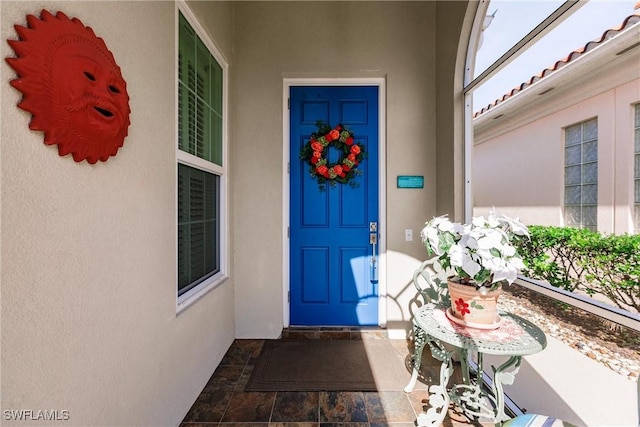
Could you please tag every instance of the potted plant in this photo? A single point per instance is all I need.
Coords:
(478, 258)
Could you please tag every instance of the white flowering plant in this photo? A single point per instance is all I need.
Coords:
(483, 253)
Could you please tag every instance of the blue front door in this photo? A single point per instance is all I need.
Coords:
(333, 278)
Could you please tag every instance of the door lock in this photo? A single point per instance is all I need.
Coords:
(373, 241)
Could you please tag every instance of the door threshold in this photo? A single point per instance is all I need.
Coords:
(333, 333)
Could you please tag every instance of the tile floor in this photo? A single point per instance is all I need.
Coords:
(225, 403)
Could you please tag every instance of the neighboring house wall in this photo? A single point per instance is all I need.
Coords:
(88, 252)
(518, 159)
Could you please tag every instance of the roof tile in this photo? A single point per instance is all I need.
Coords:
(608, 34)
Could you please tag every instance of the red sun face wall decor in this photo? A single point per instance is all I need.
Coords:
(71, 85)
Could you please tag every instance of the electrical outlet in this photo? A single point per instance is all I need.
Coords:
(408, 235)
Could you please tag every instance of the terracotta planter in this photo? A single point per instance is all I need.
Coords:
(470, 308)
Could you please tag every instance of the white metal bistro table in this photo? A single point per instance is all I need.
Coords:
(515, 337)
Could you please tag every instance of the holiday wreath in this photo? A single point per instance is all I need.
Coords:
(315, 151)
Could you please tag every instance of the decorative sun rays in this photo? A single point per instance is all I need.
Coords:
(71, 85)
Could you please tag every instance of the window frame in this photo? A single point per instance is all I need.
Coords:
(469, 83)
(192, 295)
(635, 185)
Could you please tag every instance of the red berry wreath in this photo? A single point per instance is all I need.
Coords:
(315, 150)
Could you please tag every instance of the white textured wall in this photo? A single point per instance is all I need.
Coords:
(521, 171)
(88, 252)
(277, 40)
(88, 260)
(518, 161)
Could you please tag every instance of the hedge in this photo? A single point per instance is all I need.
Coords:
(584, 261)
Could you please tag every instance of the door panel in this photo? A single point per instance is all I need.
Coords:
(330, 265)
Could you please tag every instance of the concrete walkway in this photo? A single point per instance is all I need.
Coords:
(564, 383)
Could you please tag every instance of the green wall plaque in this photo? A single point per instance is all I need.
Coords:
(410, 181)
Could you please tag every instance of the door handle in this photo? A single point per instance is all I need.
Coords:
(373, 241)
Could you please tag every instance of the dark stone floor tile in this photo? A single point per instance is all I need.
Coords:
(249, 407)
(236, 356)
(455, 417)
(334, 335)
(225, 376)
(244, 378)
(388, 406)
(373, 335)
(402, 347)
(344, 424)
(334, 328)
(428, 376)
(255, 346)
(304, 335)
(419, 401)
(342, 406)
(243, 425)
(209, 407)
(296, 406)
(272, 424)
(411, 424)
(241, 351)
(428, 359)
(355, 336)
(224, 400)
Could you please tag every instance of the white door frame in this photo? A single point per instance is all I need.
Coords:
(382, 185)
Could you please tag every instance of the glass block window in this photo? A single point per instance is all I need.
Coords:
(581, 175)
(201, 174)
(636, 170)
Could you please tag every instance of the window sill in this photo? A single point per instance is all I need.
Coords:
(188, 299)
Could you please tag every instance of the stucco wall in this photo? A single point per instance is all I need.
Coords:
(88, 252)
(518, 159)
(532, 157)
(454, 19)
(277, 40)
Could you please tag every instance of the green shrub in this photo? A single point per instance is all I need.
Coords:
(585, 261)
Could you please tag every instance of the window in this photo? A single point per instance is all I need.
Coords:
(581, 175)
(201, 173)
(198, 231)
(636, 187)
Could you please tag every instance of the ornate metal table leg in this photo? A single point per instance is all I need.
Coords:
(419, 340)
(480, 371)
(463, 355)
(438, 394)
(469, 397)
(501, 377)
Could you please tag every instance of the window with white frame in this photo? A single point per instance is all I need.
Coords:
(581, 175)
(201, 172)
(636, 176)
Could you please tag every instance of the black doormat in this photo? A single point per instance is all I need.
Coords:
(328, 365)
